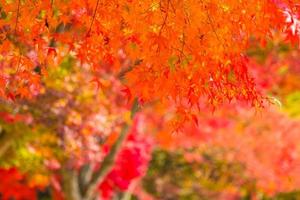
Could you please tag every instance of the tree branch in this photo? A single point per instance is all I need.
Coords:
(5, 142)
(109, 160)
(71, 186)
(4, 148)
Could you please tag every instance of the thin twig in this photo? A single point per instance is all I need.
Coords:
(94, 16)
(213, 27)
(17, 18)
(214, 30)
(19, 61)
(163, 23)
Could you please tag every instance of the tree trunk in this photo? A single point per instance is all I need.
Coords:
(82, 185)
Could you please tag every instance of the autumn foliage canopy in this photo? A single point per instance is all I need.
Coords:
(79, 70)
(180, 51)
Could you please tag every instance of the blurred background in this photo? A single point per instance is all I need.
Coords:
(235, 152)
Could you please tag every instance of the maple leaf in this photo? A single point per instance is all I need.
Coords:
(97, 82)
(11, 181)
(127, 93)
